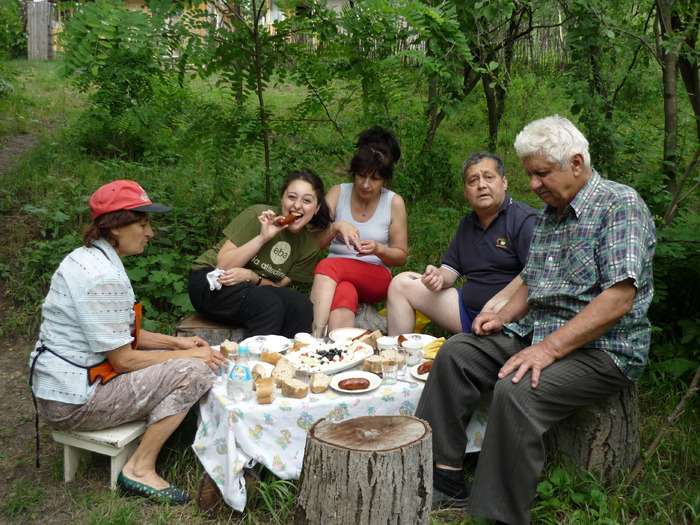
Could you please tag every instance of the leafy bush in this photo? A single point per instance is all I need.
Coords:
(120, 58)
(7, 76)
(13, 40)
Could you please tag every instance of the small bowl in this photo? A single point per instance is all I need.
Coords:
(386, 343)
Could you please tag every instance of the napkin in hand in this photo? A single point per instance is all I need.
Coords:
(431, 349)
(213, 278)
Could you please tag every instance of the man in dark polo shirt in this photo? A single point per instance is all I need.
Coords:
(490, 249)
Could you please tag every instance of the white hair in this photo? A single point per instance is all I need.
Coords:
(555, 138)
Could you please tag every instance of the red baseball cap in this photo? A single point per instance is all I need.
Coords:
(122, 195)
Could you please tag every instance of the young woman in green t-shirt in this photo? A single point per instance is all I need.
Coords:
(244, 279)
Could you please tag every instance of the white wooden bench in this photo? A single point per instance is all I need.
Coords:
(119, 443)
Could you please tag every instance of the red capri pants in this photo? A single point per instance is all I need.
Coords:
(357, 281)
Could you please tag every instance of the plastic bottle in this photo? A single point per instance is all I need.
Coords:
(239, 385)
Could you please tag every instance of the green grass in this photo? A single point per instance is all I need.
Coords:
(43, 209)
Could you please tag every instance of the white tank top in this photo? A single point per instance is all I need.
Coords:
(376, 228)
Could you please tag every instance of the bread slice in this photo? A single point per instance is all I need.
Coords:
(371, 339)
(284, 369)
(271, 357)
(294, 388)
(261, 370)
(392, 355)
(373, 364)
(228, 348)
(320, 383)
(266, 390)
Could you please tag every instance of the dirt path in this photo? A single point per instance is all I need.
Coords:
(13, 148)
(26, 490)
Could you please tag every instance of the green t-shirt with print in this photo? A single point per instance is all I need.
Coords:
(293, 255)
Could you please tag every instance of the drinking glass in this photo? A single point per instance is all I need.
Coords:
(390, 370)
(402, 360)
(255, 349)
(320, 332)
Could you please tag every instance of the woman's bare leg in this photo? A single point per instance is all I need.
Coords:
(341, 318)
(141, 466)
(322, 292)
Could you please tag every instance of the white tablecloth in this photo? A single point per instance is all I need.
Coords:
(233, 435)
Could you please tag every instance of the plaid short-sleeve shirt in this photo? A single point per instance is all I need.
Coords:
(605, 236)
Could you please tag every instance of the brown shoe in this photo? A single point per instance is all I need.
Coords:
(209, 498)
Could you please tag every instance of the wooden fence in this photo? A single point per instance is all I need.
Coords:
(39, 40)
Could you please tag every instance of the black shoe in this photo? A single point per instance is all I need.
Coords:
(441, 500)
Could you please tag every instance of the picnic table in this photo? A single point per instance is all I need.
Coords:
(233, 435)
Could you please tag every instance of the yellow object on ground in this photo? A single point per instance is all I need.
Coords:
(422, 320)
(431, 349)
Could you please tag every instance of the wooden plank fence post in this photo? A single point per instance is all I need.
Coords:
(39, 41)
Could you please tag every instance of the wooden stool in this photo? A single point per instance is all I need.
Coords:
(212, 332)
(119, 443)
(371, 470)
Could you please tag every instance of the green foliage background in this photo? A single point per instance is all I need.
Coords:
(206, 129)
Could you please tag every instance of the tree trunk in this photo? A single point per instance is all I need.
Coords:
(601, 438)
(369, 470)
(669, 70)
(368, 318)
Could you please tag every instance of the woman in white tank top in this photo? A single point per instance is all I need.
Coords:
(368, 234)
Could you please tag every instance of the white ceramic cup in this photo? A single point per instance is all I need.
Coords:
(414, 349)
(386, 343)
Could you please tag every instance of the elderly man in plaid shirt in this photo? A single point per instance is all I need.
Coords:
(576, 332)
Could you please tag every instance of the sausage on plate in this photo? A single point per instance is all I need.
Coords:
(353, 383)
(425, 367)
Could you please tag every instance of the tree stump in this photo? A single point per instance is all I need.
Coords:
(370, 470)
(368, 318)
(601, 438)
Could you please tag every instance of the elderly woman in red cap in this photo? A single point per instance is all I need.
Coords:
(89, 370)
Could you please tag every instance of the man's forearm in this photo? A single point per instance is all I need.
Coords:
(594, 320)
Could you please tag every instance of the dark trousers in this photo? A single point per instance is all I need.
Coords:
(261, 310)
(513, 455)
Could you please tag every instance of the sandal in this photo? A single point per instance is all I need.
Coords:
(171, 494)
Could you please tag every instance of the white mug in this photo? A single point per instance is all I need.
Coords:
(414, 348)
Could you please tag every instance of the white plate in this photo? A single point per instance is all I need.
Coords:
(374, 381)
(271, 343)
(363, 351)
(342, 334)
(423, 338)
(414, 372)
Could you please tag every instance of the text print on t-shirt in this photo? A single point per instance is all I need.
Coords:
(280, 252)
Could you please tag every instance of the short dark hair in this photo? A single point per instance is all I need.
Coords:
(102, 226)
(383, 137)
(371, 159)
(377, 151)
(322, 218)
(479, 156)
